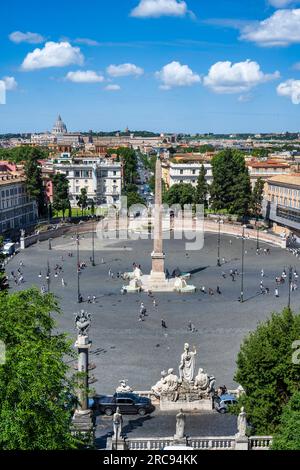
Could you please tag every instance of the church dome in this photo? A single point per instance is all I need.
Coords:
(59, 127)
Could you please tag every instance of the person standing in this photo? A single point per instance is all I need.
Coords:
(163, 324)
(276, 292)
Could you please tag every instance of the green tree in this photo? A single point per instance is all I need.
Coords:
(34, 184)
(36, 391)
(202, 190)
(231, 187)
(287, 436)
(134, 198)
(93, 207)
(82, 200)
(257, 197)
(24, 153)
(181, 194)
(266, 371)
(61, 200)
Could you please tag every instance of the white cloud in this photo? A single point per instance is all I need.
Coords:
(281, 3)
(290, 89)
(175, 75)
(84, 76)
(31, 38)
(280, 29)
(53, 54)
(10, 83)
(113, 87)
(226, 77)
(157, 8)
(124, 70)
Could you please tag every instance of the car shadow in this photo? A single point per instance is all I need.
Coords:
(135, 423)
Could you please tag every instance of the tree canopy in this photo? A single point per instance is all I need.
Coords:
(287, 436)
(182, 194)
(266, 371)
(36, 389)
(61, 200)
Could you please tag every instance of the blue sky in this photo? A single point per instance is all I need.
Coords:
(162, 65)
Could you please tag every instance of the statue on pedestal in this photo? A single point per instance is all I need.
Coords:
(117, 424)
(82, 322)
(159, 386)
(242, 423)
(170, 386)
(187, 364)
(204, 383)
(22, 231)
(180, 425)
(123, 387)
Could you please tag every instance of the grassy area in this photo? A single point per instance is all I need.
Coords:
(76, 212)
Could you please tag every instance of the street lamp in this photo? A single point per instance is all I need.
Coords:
(79, 298)
(290, 286)
(48, 279)
(243, 261)
(219, 242)
(257, 235)
(93, 242)
(49, 244)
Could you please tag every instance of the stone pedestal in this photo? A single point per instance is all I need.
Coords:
(206, 404)
(82, 423)
(111, 444)
(22, 243)
(242, 443)
(179, 442)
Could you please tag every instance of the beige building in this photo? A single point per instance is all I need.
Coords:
(281, 205)
(266, 169)
(17, 209)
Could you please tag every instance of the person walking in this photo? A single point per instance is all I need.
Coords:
(63, 282)
(262, 273)
(218, 290)
(163, 324)
(276, 293)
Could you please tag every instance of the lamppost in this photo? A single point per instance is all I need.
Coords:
(257, 235)
(243, 261)
(79, 298)
(93, 242)
(48, 279)
(219, 242)
(49, 244)
(290, 286)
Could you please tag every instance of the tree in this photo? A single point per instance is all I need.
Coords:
(181, 194)
(93, 207)
(34, 184)
(266, 371)
(24, 153)
(202, 188)
(36, 391)
(61, 200)
(82, 200)
(231, 187)
(134, 198)
(287, 436)
(257, 197)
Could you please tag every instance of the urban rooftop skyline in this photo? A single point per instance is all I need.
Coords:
(168, 66)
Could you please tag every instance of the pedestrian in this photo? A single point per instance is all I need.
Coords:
(102, 260)
(63, 282)
(163, 324)
(40, 274)
(276, 293)
(262, 273)
(154, 303)
(203, 289)
(224, 274)
(109, 272)
(218, 290)
(94, 299)
(88, 299)
(210, 291)
(230, 242)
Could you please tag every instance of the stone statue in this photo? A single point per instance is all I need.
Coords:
(187, 364)
(180, 425)
(180, 283)
(137, 273)
(82, 322)
(123, 387)
(22, 233)
(242, 423)
(159, 386)
(204, 383)
(117, 423)
(170, 386)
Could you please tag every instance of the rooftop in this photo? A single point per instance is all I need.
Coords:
(292, 179)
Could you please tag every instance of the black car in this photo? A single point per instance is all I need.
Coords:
(129, 403)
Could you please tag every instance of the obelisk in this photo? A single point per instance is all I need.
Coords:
(158, 257)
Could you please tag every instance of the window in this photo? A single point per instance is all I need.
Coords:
(194, 172)
(77, 174)
(114, 173)
(181, 172)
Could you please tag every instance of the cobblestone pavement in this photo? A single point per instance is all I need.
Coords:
(123, 347)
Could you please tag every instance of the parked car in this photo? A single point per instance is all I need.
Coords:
(129, 403)
(9, 249)
(222, 402)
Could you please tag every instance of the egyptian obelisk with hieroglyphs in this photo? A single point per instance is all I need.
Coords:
(158, 257)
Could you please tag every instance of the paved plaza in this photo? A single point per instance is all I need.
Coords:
(123, 347)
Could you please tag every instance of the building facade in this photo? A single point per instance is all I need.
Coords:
(17, 209)
(188, 173)
(102, 179)
(281, 206)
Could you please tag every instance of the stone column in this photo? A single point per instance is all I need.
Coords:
(158, 257)
(83, 416)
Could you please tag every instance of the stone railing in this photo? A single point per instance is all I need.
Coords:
(196, 443)
(260, 442)
(212, 443)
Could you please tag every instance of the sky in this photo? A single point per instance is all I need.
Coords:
(222, 66)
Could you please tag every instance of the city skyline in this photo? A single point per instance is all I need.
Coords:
(159, 65)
